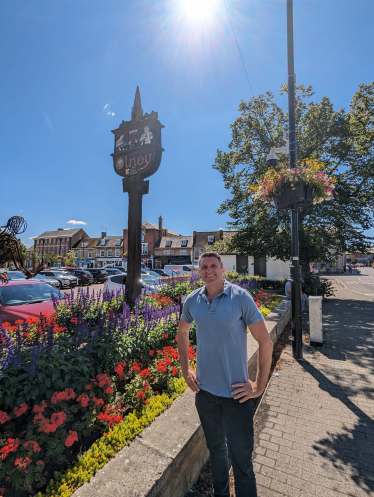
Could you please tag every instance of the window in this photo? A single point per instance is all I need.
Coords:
(166, 252)
(89, 255)
(201, 251)
(210, 239)
(143, 236)
(84, 245)
(144, 248)
(117, 253)
(184, 243)
(183, 252)
(109, 253)
(102, 253)
(76, 254)
(168, 243)
(102, 241)
(118, 242)
(62, 250)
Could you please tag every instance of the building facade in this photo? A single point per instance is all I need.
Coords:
(151, 236)
(57, 242)
(173, 250)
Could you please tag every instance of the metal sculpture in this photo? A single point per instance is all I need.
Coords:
(10, 248)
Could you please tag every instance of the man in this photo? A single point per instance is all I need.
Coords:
(304, 297)
(224, 393)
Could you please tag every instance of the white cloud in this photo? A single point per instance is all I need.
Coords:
(72, 221)
(111, 113)
(105, 106)
(48, 121)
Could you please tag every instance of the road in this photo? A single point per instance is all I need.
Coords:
(361, 281)
(96, 286)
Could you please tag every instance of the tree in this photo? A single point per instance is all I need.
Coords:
(50, 258)
(341, 140)
(69, 259)
(36, 256)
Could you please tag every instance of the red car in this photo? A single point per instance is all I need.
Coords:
(21, 299)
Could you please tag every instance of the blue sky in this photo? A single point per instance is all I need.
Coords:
(69, 73)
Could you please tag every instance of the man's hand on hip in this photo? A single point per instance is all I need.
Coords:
(192, 380)
(245, 391)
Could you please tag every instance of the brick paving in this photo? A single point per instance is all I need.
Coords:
(314, 431)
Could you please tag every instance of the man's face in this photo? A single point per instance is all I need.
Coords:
(211, 270)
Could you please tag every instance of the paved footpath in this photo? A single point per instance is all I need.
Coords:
(315, 426)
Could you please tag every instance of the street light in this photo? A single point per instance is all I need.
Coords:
(290, 149)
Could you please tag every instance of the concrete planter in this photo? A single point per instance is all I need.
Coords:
(166, 459)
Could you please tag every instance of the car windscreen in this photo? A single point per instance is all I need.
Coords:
(16, 275)
(168, 272)
(27, 294)
(149, 280)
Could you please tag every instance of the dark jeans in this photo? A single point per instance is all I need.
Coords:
(228, 429)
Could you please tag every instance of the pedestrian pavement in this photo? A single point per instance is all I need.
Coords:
(314, 429)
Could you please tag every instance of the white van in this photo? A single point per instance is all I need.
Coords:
(180, 267)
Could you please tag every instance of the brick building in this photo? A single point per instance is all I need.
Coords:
(151, 235)
(58, 242)
(173, 250)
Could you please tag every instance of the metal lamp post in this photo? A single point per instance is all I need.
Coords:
(296, 324)
(290, 149)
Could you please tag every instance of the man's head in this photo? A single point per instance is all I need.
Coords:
(211, 267)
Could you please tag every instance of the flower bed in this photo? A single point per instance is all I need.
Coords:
(91, 376)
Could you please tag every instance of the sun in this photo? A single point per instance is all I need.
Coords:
(198, 11)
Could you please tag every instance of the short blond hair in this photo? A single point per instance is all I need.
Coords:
(210, 254)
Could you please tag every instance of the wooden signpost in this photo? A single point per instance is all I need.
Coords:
(137, 155)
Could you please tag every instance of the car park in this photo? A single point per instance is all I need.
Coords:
(117, 282)
(178, 267)
(153, 273)
(113, 270)
(99, 275)
(50, 281)
(14, 275)
(358, 264)
(22, 299)
(84, 277)
(161, 272)
(66, 280)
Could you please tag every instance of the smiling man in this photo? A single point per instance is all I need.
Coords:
(222, 312)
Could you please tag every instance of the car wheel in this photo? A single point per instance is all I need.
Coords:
(59, 285)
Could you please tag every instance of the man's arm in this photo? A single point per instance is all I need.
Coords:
(188, 373)
(253, 389)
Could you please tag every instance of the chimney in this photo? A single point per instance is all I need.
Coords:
(103, 234)
(160, 223)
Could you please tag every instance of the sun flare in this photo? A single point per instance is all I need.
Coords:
(198, 10)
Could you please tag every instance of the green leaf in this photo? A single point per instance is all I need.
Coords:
(48, 382)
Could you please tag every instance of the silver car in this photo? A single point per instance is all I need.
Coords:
(65, 279)
(50, 281)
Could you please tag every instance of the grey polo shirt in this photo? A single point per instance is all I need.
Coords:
(221, 335)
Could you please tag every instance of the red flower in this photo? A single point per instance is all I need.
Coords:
(140, 395)
(12, 446)
(19, 321)
(176, 337)
(103, 380)
(109, 390)
(83, 399)
(145, 373)
(174, 371)
(18, 411)
(58, 418)
(98, 401)
(87, 387)
(146, 387)
(164, 335)
(33, 445)
(74, 320)
(4, 417)
(161, 367)
(22, 462)
(135, 367)
(151, 352)
(71, 438)
(40, 463)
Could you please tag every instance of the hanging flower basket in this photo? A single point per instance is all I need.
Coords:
(292, 188)
(300, 195)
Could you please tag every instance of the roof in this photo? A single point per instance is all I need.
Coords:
(110, 241)
(201, 237)
(176, 242)
(91, 243)
(150, 226)
(62, 233)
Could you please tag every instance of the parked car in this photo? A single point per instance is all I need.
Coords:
(113, 270)
(99, 275)
(161, 272)
(14, 275)
(358, 264)
(22, 299)
(66, 280)
(84, 277)
(50, 281)
(116, 282)
(154, 274)
(179, 272)
(180, 267)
